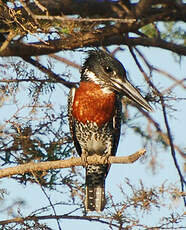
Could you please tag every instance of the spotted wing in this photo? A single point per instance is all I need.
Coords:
(72, 121)
(116, 123)
(116, 129)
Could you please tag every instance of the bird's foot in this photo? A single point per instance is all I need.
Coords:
(106, 158)
(84, 159)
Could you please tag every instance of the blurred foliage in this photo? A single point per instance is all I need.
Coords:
(37, 131)
(174, 32)
(150, 30)
(169, 31)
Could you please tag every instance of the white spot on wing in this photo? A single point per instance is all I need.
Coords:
(73, 91)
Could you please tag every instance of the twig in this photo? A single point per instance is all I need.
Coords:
(7, 41)
(163, 72)
(49, 200)
(28, 80)
(51, 74)
(43, 166)
(160, 131)
(173, 153)
(100, 219)
(41, 7)
(66, 61)
(29, 12)
(177, 83)
(142, 71)
(68, 19)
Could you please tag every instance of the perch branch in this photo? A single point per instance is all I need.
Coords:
(43, 166)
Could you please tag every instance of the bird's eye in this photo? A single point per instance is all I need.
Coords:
(108, 69)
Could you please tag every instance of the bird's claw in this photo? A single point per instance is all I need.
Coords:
(84, 159)
(105, 159)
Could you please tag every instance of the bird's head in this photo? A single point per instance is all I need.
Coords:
(101, 68)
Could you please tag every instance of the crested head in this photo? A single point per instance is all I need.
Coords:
(101, 68)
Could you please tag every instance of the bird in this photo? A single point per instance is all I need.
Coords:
(94, 113)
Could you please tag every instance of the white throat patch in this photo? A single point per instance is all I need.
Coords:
(92, 76)
(96, 80)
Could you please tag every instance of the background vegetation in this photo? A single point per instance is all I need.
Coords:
(41, 45)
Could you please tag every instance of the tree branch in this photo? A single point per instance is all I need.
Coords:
(43, 166)
(108, 220)
(104, 37)
(51, 74)
(142, 7)
(70, 7)
(87, 8)
(70, 217)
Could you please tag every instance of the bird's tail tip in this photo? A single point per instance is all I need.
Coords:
(95, 198)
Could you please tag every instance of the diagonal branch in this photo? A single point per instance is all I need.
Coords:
(43, 166)
(51, 74)
(169, 136)
(142, 7)
(173, 153)
(66, 61)
(160, 132)
(52, 206)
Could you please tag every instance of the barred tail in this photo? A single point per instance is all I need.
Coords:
(95, 187)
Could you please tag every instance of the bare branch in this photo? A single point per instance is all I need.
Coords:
(152, 68)
(169, 136)
(50, 202)
(160, 132)
(66, 61)
(165, 9)
(173, 153)
(142, 7)
(70, 7)
(108, 220)
(70, 217)
(51, 74)
(100, 20)
(109, 36)
(43, 166)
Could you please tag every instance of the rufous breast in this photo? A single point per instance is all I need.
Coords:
(92, 104)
